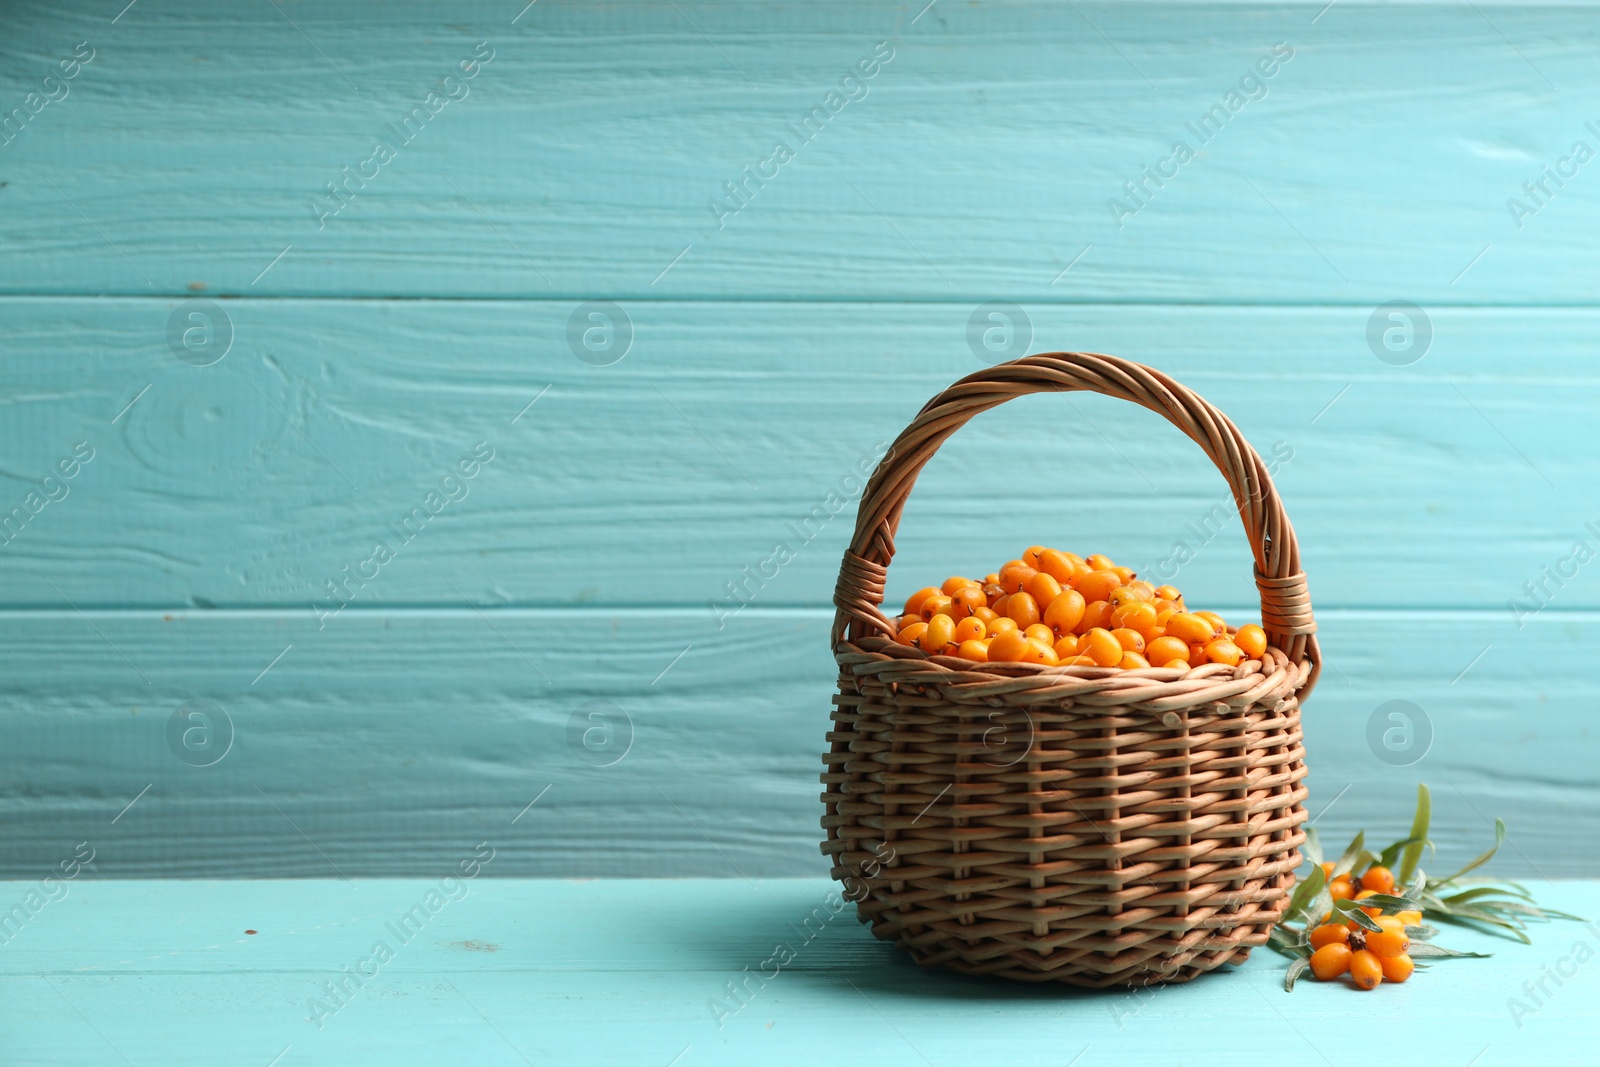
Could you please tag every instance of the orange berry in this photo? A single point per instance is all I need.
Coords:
(1015, 576)
(956, 583)
(1130, 640)
(1041, 653)
(1329, 934)
(1041, 633)
(993, 592)
(906, 620)
(1125, 573)
(939, 635)
(1096, 613)
(970, 629)
(1221, 650)
(1044, 589)
(1031, 556)
(1409, 918)
(1099, 563)
(1163, 650)
(1057, 565)
(1252, 640)
(1378, 879)
(1078, 661)
(1102, 646)
(1132, 661)
(1191, 628)
(1327, 869)
(1065, 611)
(986, 614)
(1330, 961)
(1097, 585)
(1000, 624)
(1168, 592)
(914, 601)
(1340, 888)
(938, 604)
(968, 600)
(1388, 943)
(1009, 646)
(909, 635)
(977, 651)
(1396, 968)
(991, 579)
(1215, 620)
(1137, 615)
(1023, 608)
(1366, 970)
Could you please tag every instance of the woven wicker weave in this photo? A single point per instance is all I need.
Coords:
(1069, 824)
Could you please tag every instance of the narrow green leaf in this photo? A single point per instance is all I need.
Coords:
(1305, 893)
(1412, 854)
(1351, 911)
(1389, 855)
(1469, 915)
(1390, 902)
(1346, 863)
(1296, 969)
(1312, 849)
(1499, 836)
(1467, 896)
(1424, 950)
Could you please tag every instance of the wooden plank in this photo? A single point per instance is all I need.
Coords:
(630, 971)
(984, 158)
(665, 477)
(387, 743)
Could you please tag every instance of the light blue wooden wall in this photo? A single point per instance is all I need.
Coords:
(773, 349)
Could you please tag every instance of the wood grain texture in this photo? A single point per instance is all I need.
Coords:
(1375, 164)
(629, 972)
(662, 478)
(386, 743)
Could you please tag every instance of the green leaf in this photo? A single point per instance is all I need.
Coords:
(1312, 849)
(1425, 950)
(1499, 836)
(1296, 969)
(1390, 903)
(1388, 856)
(1412, 853)
(1467, 896)
(1346, 863)
(1470, 914)
(1351, 911)
(1305, 893)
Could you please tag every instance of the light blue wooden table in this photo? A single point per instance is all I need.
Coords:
(276, 275)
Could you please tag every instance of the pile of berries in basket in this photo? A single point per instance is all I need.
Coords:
(1059, 609)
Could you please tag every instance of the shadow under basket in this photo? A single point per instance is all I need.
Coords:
(1085, 825)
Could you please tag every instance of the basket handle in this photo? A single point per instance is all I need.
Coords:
(1285, 603)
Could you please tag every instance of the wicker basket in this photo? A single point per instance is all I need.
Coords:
(1068, 824)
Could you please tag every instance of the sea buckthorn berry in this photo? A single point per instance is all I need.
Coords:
(1057, 565)
(1079, 661)
(1366, 970)
(1144, 590)
(1041, 653)
(1137, 615)
(1023, 608)
(909, 635)
(1044, 588)
(1031, 556)
(1132, 661)
(1396, 968)
(1102, 646)
(1168, 592)
(1010, 646)
(977, 651)
(986, 614)
(1165, 610)
(955, 583)
(1096, 614)
(967, 600)
(1191, 628)
(1340, 888)
(1064, 612)
(1388, 943)
(1217, 625)
(991, 579)
(1378, 879)
(939, 635)
(1327, 869)
(1098, 562)
(1163, 650)
(1410, 918)
(1251, 639)
(1329, 934)
(1125, 573)
(1390, 923)
(970, 630)
(1330, 961)
(1067, 647)
(904, 621)
(914, 601)
(1222, 650)
(1130, 640)
(994, 592)
(1041, 633)
(1097, 585)
(1001, 624)
(1122, 596)
(938, 604)
(1014, 577)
